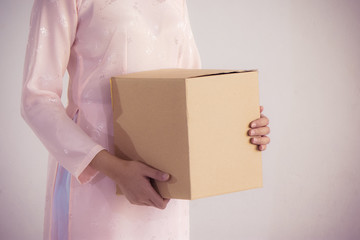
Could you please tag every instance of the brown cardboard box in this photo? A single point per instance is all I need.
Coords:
(192, 124)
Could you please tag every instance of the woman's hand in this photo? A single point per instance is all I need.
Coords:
(259, 130)
(133, 179)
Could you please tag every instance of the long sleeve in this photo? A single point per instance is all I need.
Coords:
(52, 32)
(190, 57)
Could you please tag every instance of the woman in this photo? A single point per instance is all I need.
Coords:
(95, 40)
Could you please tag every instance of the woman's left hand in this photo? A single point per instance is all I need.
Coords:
(259, 130)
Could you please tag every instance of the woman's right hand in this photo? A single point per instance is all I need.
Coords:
(133, 179)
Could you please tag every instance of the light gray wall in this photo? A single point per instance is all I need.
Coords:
(308, 56)
(23, 160)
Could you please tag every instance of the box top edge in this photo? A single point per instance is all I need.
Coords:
(179, 73)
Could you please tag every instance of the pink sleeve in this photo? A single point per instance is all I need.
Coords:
(190, 57)
(52, 32)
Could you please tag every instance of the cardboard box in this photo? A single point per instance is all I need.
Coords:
(192, 124)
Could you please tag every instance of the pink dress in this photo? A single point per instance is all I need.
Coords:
(94, 40)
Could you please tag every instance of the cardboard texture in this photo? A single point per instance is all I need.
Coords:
(192, 124)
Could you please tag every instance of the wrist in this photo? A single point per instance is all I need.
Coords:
(107, 164)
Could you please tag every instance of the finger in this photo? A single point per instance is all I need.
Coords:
(261, 147)
(154, 197)
(138, 201)
(146, 203)
(261, 109)
(151, 203)
(262, 116)
(149, 197)
(157, 174)
(260, 122)
(166, 200)
(158, 201)
(163, 204)
(260, 140)
(259, 131)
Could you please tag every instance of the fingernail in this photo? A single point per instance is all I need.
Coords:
(253, 140)
(165, 176)
(253, 125)
(252, 132)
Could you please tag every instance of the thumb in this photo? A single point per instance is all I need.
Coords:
(261, 109)
(157, 175)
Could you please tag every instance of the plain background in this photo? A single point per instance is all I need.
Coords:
(308, 56)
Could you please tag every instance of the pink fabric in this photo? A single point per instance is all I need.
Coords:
(94, 40)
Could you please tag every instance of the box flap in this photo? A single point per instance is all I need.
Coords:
(179, 73)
